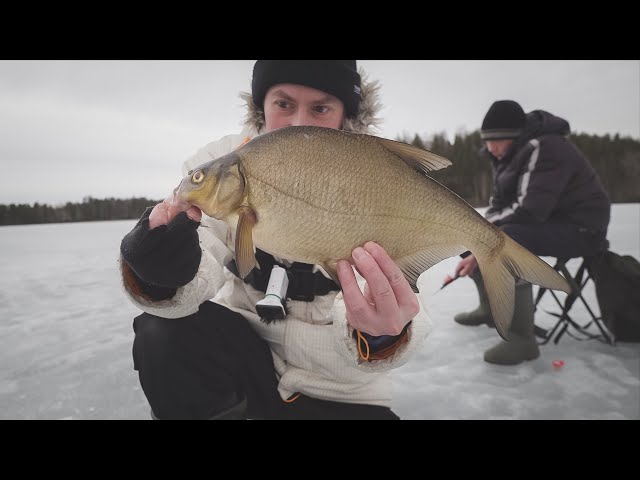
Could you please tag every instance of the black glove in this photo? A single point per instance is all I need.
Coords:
(381, 342)
(167, 256)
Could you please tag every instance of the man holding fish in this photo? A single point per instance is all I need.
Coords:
(306, 191)
(201, 349)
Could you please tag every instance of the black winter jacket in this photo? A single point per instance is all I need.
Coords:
(544, 178)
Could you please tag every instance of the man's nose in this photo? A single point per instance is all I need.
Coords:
(301, 118)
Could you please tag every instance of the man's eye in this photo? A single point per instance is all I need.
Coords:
(283, 104)
(321, 109)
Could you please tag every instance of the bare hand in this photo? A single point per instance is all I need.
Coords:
(166, 211)
(388, 303)
(466, 266)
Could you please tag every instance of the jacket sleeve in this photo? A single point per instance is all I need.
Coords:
(213, 235)
(408, 344)
(542, 179)
(496, 204)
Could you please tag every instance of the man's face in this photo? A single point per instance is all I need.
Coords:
(498, 148)
(288, 105)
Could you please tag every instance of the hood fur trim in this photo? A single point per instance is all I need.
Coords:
(366, 121)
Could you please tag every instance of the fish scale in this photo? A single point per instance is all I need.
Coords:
(313, 194)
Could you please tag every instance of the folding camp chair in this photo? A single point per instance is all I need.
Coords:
(565, 323)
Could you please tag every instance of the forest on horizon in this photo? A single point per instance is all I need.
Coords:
(616, 160)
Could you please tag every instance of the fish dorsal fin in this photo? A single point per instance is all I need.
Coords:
(422, 160)
(415, 264)
(245, 256)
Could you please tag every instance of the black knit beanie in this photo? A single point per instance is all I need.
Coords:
(504, 120)
(338, 77)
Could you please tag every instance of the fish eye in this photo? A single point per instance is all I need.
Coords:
(197, 177)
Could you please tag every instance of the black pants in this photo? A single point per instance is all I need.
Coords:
(556, 239)
(198, 366)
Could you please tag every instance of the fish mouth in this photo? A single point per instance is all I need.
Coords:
(176, 200)
(175, 190)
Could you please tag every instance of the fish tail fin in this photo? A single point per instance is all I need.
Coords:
(500, 272)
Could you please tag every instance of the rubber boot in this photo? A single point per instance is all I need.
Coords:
(522, 344)
(482, 314)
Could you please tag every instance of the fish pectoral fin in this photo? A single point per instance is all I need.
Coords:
(422, 160)
(245, 255)
(331, 267)
(415, 264)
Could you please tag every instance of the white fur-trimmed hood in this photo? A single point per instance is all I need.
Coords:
(366, 121)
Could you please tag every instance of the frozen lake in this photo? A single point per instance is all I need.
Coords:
(66, 337)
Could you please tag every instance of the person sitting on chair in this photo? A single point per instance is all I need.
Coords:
(546, 196)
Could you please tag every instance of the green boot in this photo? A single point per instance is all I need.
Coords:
(522, 344)
(482, 314)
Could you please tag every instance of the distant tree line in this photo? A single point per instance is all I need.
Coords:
(90, 209)
(615, 159)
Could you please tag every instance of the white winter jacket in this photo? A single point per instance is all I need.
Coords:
(313, 350)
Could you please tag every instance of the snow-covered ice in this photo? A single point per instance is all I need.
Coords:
(66, 337)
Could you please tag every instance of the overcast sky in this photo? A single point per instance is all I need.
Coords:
(70, 129)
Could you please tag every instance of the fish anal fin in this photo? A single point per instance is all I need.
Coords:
(415, 264)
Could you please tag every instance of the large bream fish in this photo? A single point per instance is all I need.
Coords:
(312, 194)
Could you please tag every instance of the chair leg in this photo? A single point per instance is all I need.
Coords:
(538, 331)
(577, 282)
(577, 285)
(595, 319)
(544, 333)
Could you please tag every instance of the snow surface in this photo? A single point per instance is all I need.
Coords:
(66, 337)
